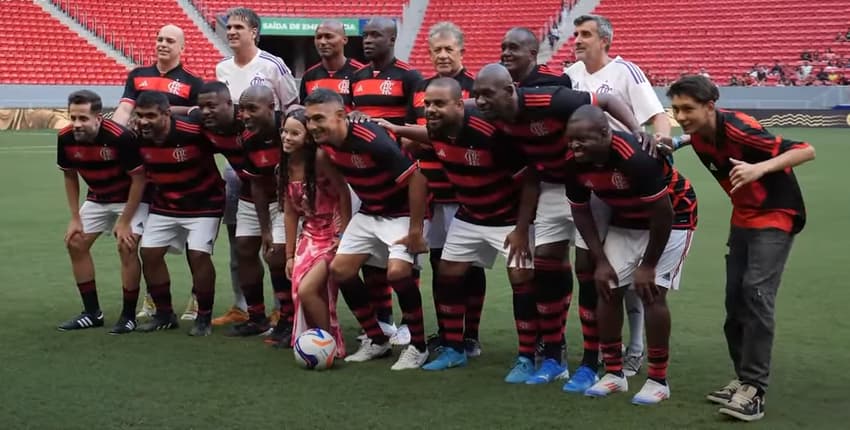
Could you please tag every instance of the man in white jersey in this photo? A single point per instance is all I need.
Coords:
(250, 65)
(597, 72)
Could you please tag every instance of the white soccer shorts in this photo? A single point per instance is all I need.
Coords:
(375, 236)
(198, 234)
(601, 217)
(625, 248)
(247, 223)
(101, 217)
(479, 245)
(441, 219)
(554, 219)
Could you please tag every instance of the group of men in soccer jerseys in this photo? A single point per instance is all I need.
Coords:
(518, 160)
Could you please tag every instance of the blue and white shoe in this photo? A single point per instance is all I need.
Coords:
(583, 379)
(549, 371)
(522, 370)
(448, 358)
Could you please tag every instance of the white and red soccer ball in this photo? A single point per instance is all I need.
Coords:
(315, 349)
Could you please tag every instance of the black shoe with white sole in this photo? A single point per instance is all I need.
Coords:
(123, 326)
(83, 321)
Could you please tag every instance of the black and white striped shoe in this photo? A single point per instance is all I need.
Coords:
(160, 321)
(82, 321)
(123, 326)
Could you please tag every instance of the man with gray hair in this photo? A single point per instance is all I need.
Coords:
(595, 71)
(445, 45)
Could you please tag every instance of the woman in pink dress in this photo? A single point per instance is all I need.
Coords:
(311, 190)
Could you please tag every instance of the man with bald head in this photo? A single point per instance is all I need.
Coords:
(181, 86)
(536, 118)
(384, 88)
(334, 70)
(519, 55)
(259, 224)
(167, 76)
(654, 213)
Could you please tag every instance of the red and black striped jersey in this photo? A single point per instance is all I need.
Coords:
(374, 167)
(773, 201)
(262, 156)
(229, 145)
(629, 181)
(105, 164)
(183, 171)
(338, 81)
(386, 93)
(429, 164)
(484, 170)
(543, 76)
(179, 84)
(539, 128)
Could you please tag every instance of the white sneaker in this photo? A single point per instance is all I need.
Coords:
(191, 312)
(609, 383)
(369, 351)
(652, 393)
(388, 329)
(401, 337)
(148, 308)
(410, 358)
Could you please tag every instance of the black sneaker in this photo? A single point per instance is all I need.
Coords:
(82, 321)
(123, 326)
(159, 322)
(472, 347)
(281, 336)
(202, 327)
(746, 404)
(250, 328)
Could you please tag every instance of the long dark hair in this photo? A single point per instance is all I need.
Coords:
(309, 150)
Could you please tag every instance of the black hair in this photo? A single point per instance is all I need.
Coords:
(83, 97)
(697, 87)
(148, 99)
(214, 87)
(450, 83)
(309, 149)
(322, 96)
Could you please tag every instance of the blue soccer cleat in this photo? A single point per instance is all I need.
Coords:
(583, 379)
(549, 371)
(448, 358)
(522, 370)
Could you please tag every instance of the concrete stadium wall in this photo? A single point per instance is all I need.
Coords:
(54, 96)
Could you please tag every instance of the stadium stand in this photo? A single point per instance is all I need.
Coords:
(51, 52)
(305, 8)
(725, 37)
(484, 23)
(137, 24)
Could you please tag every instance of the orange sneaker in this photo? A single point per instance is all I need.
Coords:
(274, 318)
(232, 316)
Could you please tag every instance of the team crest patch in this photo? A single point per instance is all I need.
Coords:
(387, 87)
(258, 79)
(619, 181)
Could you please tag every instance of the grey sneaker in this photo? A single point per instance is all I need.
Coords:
(632, 364)
(724, 395)
(746, 404)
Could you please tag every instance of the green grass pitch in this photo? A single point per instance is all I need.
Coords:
(82, 380)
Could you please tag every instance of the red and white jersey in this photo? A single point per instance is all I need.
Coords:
(621, 78)
(265, 69)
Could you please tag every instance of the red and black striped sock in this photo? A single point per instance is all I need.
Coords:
(130, 299)
(612, 353)
(587, 315)
(161, 296)
(282, 287)
(434, 257)
(410, 302)
(380, 292)
(88, 292)
(450, 307)
(525, 317)
(476, 288)
(357, 298)
(658, 358)
(254, 299)
(551, 288)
